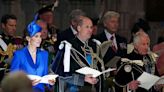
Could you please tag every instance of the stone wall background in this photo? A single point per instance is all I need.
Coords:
(130, 11)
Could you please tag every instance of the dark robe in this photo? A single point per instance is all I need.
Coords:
(64, 35)
(5, 60)
(123, 77)
(72, 78)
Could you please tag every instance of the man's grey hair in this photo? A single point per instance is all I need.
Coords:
(75, 14)
(137, 37)
(81, 20)
(109, 15)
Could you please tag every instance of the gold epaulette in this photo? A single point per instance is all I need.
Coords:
(18, 37)
(50, 41)
(10, 49)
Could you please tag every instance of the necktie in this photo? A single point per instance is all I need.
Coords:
(113, 46)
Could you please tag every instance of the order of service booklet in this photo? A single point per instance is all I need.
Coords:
(147, 80)
(93, 72)
(43, 79)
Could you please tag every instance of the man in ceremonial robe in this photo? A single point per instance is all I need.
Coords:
(81, 54)
(124, 77)
(71, 31)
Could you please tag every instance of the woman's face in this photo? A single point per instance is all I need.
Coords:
(36, 40)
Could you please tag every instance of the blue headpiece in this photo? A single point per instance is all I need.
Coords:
(33, 28)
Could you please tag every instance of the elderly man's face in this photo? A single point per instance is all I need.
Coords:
(112, 24)
(143, 45)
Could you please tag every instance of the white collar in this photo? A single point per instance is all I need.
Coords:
(73, 30)
(109, 35)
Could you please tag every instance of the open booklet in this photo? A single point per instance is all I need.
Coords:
(93, 72)
(148, 80)
(43, 79)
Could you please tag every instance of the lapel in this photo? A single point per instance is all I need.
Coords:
(104, 38)
(118, 42)
(121, 43)
(70, 33)
(30, 60)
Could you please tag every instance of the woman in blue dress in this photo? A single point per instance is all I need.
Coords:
(31, 59)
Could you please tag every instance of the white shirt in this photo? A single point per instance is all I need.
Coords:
(73, 30)
(108, 35)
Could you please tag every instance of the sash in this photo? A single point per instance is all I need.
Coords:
(3, 45)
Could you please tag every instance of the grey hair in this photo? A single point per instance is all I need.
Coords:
(81, 20)
(75, 14)
(109, 15)
(137, 37)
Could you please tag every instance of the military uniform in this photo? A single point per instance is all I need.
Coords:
(7, 47)
(48, 45)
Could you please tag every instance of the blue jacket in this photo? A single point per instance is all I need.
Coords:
(22, 60)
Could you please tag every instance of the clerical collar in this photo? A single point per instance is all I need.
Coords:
(73, 30)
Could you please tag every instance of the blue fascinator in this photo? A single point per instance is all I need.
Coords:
(33, 27)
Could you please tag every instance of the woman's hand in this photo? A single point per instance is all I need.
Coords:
(35, 82)
(52, 81)
(90, 79)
